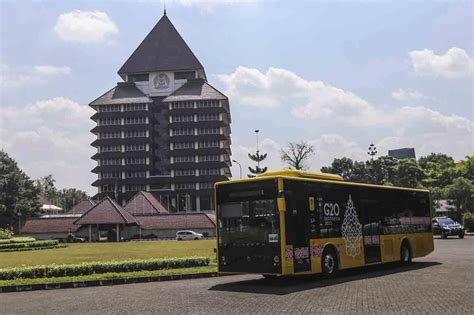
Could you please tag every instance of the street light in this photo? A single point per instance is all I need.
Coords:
(240, 167)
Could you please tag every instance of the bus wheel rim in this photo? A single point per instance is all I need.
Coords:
(405, 254)
(329, 263)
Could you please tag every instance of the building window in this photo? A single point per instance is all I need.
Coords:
(182, 105)
(184, 158)
(206, 185)
(185, 75)
(209, 171)
(138, 77)
(210, 157)
(135, 187)
(209, 144)
(110, 188)
(135, 147)
(209, 103)
(111, 162)
(135, 174)
(110, 135)
(182, 118)
(208, 117)
(135, 133)
(109, 121)
(183, 145)
(110, 175)
(134, 120)
(181, 186)
(209, 131)
(135, 160)
(188, 172)
(108, 108)
(110, 148)
(134, 107)
(183, 132)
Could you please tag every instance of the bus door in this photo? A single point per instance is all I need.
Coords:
(371, 233)
(298, 229)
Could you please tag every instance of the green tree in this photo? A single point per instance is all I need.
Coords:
(69, 197)
(343, 167)
(297, 154)
(465, 168)
(461, 192)
(408, 173)
(439, 169)
(381, 170)
(17, 192)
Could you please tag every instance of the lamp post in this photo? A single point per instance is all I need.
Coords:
(372, 151)
(240, 167)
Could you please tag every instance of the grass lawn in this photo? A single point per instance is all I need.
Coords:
(88, 252)
(111, 275)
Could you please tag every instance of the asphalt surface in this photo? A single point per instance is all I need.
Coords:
(442, 282)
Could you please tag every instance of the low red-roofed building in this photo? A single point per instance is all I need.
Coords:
(50, 227)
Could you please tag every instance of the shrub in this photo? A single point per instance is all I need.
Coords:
(18, 240)
(468, 219)
(101, 267)
(51, 243)
(5, 234)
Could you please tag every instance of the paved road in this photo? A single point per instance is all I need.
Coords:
(442, 282)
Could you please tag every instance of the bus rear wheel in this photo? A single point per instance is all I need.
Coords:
(405, 254)
(329, 264)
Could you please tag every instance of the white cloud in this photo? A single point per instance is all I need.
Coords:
(20, 76)
(455, 63)
(408, 95)
(85, 26)
(52, 70)
(316, 102)
(51, 137)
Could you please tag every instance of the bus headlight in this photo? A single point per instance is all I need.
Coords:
(276, 259)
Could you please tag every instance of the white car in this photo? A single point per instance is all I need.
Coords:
(188, 235)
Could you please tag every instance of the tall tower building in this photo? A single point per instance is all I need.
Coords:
(165, 129)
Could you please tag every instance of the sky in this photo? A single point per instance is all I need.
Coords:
(339, 75)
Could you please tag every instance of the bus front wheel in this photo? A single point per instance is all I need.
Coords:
(329, 265)
(405, 254)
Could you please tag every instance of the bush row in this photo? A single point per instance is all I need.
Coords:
(30, 248)
(29, 244)
(5, 234)
(101, 267)
(17, 240)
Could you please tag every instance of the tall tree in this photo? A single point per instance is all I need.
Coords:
(297, 154)
(408, 173)
(69, 197)
(439, 169)
(342, 167)
(461, 192)
(18, 194)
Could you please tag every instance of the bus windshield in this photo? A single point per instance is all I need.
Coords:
(249, 223)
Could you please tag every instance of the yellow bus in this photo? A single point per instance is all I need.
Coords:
(292, 222)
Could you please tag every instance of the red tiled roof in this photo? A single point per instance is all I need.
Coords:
(50, 225)
(106, 212)
(43, 200)
(82, 207)
(144, 203)
(176, 221)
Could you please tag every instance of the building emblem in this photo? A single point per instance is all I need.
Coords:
(161, 81)
(351, 230)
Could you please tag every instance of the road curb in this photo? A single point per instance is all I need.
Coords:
(105, 282)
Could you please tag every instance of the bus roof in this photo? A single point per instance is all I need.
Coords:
(318, 177)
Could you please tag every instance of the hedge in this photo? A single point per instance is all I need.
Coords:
(31, 248)
(29, 244)
(101, 267)
(18, 240)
